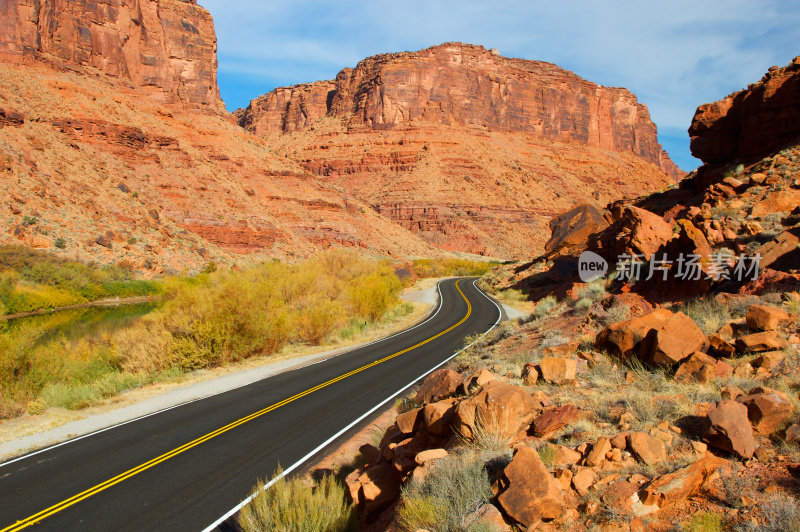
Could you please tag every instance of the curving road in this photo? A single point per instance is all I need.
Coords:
(188, 468)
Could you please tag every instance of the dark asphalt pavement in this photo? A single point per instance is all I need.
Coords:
(144, 476)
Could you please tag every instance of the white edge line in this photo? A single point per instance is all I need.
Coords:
(327, 442)
(116, 425)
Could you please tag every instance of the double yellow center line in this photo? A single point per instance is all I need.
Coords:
(36, 518)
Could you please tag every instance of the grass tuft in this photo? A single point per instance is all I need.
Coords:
(297, 505)
(457, 487)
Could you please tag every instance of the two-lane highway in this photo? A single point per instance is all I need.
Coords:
(187, 467)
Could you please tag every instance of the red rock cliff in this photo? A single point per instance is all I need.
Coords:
(167, 48)
(750, 123)
(462, 84)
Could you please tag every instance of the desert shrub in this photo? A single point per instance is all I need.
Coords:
(593, 291)
(705, 522)
(739, 305)
(37, 407)
(545, 306)
(736, 483)
(793, 305)
(638, 396)
(451, 267)
(781, 513)
(615, 314)
(297, 505)
(548, 454)
(318, 321)
(709, 314)
(492, 431)
(371, 295)
(457, 487)
(60, 243)
(583, 305)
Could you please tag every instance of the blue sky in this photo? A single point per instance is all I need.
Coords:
(673, 55)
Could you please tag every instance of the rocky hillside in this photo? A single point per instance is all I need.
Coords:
(117, 148)
(745, 204)
(469, 149)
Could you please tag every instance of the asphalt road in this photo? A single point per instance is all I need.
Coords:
(187, 467)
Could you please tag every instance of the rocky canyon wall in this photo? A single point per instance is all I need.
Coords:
(165, 48)
(467, 85)
(750, 123)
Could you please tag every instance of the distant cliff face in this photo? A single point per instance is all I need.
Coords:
(751, 123)
(167, 48)
(470, 150)
(459, 84)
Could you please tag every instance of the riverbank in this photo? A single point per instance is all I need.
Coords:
(29, 432)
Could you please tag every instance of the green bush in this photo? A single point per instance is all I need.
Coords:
(298, 506)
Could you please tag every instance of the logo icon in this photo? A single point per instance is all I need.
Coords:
(591, 266)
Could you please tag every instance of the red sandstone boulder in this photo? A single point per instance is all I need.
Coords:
(477, 379)
(782, 252)
(429, 455)
(769, 360)
(573, 227)
(438, 417)
(678, 486)
(531, 493)
(497, 406)
(409, 422)
(766, 409)
(529, 374)
(728, 428)
(750, 123)
(553, 419)
(760, 342)
(720, 347)
(625, 337)
(562, 456)
(373, 489)
(440, 384)
(764, 318)
(564, 350)
(637, 231)
(558, 370)
(583, 481)
(775, 202)
(702, 368)
(646, 448)
(676, 340)
(598, 453)
(487, 517)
